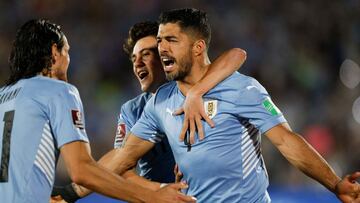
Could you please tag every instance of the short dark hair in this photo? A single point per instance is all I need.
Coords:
(138, 31)
(31, 52)
(189, 18)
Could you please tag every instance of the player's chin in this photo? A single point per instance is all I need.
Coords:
(145, 87)
(170, 76)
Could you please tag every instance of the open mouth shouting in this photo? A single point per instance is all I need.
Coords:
(142, 74)
(168, 63)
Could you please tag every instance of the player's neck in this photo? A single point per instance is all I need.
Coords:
(52, 75)
(198, 70)
(60, 77)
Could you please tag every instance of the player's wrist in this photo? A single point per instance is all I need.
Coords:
(196, 91)
(335, 188)
(149, 196)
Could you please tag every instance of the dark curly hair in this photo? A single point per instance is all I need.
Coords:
(31, 51)
(138, 31)
(189, 19)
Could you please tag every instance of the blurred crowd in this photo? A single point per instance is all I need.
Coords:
(296, 50)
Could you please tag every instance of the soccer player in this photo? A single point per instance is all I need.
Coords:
(226, 165)
(158, 163)
(43, 116)
(141, 46)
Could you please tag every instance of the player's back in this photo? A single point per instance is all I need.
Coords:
(28, 147)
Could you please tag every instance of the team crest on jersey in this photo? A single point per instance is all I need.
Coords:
(210, 108)
(77, 119)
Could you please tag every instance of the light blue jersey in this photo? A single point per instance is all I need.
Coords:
(158, 164)
(227, 166)
(39, 116)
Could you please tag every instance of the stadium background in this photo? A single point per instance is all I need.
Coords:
(306, 53)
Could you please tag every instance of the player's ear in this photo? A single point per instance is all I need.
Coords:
(54, 53)
(199, 47)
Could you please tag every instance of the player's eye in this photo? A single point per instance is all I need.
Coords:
(145, 55)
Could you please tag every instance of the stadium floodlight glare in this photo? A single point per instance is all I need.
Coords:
(356, 110)
(350, 73)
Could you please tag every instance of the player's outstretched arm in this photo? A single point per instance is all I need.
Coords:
(193, 109)
(120, 161)
(85, 171)
(300, 154)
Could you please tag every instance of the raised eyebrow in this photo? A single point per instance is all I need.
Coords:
(148, 49)
(153, 48)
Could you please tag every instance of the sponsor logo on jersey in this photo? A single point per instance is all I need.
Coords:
(77, 119)
(169, 111)
(210, 108)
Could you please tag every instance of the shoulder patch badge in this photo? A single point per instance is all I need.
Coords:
(121, 131)
(120, 134)
(270, 107)
(210, 108)
(77, 119)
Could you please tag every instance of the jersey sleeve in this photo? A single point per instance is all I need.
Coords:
(255, 104)
(147, 127)
(123, 126)
(67, 117)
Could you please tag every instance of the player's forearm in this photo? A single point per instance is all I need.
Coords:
(112, 161)
(120, 160)
(116, 161)
(98, 179)
(130, 175)
(303, 156)
(225, 65)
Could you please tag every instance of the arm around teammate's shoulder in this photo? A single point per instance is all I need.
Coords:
(193, 109)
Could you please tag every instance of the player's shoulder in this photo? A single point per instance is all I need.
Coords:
(242, 82)
(136, 103)
(45, 85)
(238, 86)
(166, 87)
(165, 91)
(239, 79)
